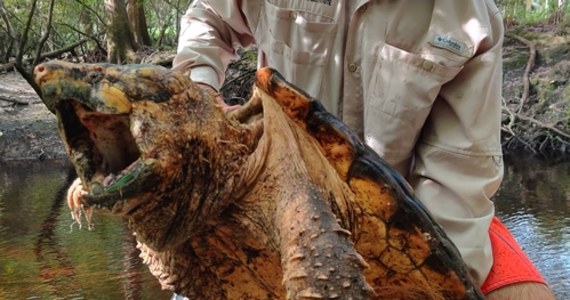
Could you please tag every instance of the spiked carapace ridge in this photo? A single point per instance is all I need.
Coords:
(275, 200)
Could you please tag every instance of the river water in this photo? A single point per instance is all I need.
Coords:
(42, 257)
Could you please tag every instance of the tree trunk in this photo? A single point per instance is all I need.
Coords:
(138, 22)
(121, 45)
(528, 5)
(8, 39)
(45, 34)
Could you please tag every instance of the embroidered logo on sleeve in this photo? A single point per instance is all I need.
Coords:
(449, 43)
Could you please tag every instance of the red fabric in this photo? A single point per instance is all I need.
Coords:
(510, 263)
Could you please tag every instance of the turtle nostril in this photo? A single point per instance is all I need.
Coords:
(37, 71)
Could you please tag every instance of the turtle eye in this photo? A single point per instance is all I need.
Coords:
(94, 77)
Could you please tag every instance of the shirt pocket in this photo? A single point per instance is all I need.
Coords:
(296, 42)
(403, 87)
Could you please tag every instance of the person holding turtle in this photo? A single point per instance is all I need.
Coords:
(421, 84)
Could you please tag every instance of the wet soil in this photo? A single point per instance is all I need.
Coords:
(27, 129)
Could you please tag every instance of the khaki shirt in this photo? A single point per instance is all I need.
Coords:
(420, 81)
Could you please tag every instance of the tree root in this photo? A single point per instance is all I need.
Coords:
(529, 128)
(529, 65)
(534, 135)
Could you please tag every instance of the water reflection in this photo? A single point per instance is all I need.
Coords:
(55, 266)
(534, 203)
(41, 259)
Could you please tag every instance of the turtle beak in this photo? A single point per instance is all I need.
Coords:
(40, 76)
(39, 73)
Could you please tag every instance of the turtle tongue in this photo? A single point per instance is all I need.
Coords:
(112, 178)
(113, 182)
(134, 180)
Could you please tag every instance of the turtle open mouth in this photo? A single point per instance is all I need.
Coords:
(104, 152)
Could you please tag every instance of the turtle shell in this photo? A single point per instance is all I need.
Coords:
(415, 249)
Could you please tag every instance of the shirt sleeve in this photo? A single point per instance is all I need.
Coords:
(467, 115)
(209, 34)
(459, 164)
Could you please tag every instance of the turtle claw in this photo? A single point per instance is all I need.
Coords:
(75, 195)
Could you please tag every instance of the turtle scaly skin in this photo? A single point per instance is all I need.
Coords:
(424, 251)
(276, 200)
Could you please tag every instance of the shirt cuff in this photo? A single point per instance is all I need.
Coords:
(205, 75)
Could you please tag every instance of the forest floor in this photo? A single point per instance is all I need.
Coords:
(27, 129)
(536, 115)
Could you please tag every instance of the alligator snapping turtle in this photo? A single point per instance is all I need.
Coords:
(278, 199)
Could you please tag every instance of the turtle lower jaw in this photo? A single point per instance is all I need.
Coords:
(115, 192)
(106, 155)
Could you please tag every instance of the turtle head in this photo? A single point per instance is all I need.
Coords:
(146, 143)
(107, 88)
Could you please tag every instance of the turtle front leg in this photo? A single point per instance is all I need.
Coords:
(317, 256)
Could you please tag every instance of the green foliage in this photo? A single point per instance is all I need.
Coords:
(536, 11)
(77, 20)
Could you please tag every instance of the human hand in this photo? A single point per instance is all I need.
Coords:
(219, 100)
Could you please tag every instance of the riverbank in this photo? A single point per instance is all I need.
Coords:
(536, 90)
(27, 129)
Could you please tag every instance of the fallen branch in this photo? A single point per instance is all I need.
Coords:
(52, 54)
(60, 51)
(7, 67)
(159, 58)
(550, 131)
(12, 100)
(545, 126)
(509, 127)
(514, 136)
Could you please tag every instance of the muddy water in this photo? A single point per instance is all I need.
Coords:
(42, 258)
(534, 203)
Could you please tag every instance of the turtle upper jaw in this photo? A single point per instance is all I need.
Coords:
(105, 154)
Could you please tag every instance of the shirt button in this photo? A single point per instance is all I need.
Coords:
(352, 67)
(293, 15)
(427, 65)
